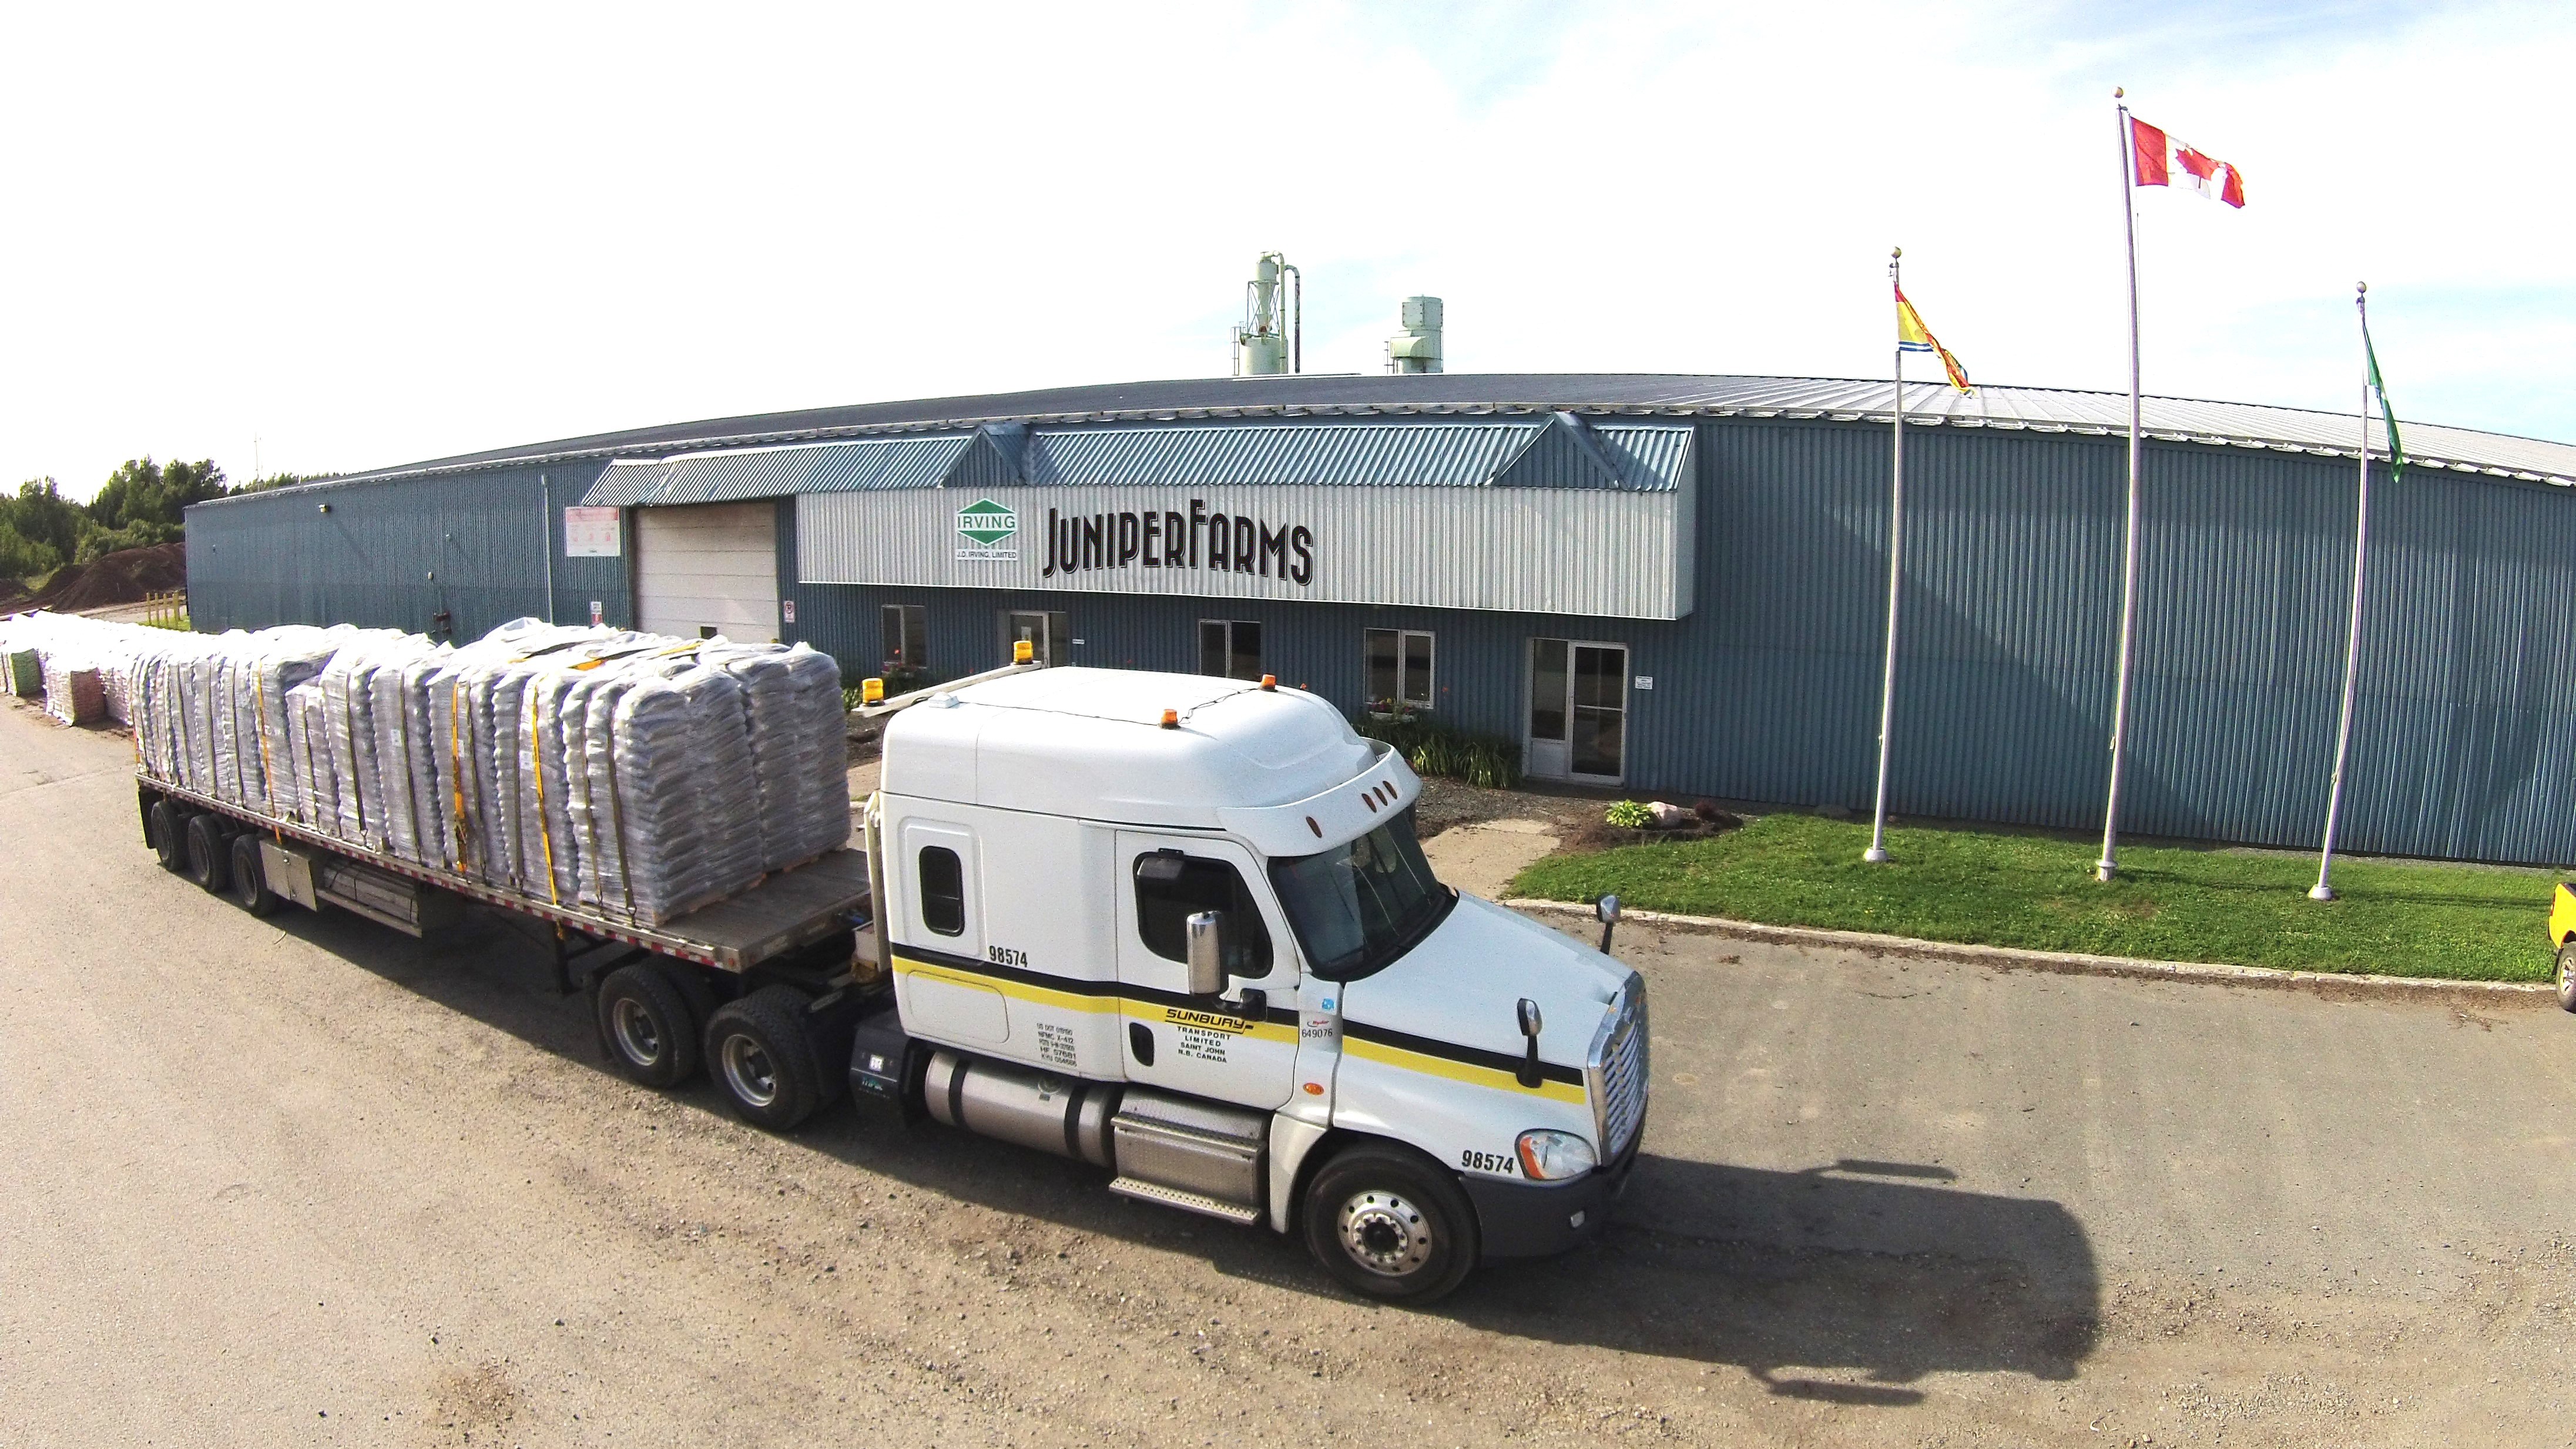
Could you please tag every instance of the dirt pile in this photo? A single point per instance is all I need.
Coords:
(128, 576)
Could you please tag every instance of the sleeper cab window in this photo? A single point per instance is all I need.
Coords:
(1172, 887)
(943, 890)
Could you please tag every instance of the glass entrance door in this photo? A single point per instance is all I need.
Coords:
(1578, 710)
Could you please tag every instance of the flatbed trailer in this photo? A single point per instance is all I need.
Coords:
(808, 924)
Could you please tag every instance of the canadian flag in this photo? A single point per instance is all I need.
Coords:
(2160, 160)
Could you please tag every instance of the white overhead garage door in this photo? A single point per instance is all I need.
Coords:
(708, 568)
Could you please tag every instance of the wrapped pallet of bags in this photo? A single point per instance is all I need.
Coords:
(73, 693)
(289, 656)
(316, 800)
(792, 700)
(476, 757)
(26, 676)
(669, 755)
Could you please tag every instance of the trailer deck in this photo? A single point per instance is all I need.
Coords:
(789, 909)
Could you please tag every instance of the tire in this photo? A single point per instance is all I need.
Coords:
(2567, 977)
(250, 878)
(760, 1053)
(647, 1026)
(170, 835)
(210, 853)
(1391, 1223)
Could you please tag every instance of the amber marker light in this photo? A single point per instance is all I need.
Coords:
(1171, 719)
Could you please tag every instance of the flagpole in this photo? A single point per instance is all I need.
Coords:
(2108, 865)
(1877, 852)
(2322, 891)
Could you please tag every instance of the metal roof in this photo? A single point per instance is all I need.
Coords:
(1563, 452)
(1534, 395)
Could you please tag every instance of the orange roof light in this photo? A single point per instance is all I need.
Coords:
(1171, 719)
(1270, 681)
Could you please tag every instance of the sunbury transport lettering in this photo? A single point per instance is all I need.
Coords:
(1225, 543)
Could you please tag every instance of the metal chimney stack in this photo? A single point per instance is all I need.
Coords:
(1417, 347)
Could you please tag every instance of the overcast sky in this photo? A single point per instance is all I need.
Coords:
(365, 235)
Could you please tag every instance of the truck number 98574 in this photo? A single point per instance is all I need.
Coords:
(1005, 956)
(1487, 1162)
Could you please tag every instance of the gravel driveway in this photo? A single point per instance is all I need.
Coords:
(306, 1181)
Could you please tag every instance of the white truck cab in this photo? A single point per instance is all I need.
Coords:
(1180, 927)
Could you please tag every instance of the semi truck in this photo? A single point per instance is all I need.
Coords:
(1176, 927)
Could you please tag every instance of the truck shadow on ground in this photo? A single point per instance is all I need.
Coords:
(1846, 1282)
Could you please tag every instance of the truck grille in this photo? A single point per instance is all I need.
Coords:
(1618, 1071)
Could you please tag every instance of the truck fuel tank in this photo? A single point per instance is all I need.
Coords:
(1063, 1115)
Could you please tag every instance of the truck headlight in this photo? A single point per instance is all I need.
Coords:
(1548, 1156)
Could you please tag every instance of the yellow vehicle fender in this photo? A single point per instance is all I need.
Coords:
(2562, 913)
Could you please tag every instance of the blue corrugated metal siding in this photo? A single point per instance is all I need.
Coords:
(396, 554)
(1768, 690)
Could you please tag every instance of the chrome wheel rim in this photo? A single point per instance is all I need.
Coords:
(638, 1035)
(749, 1071)
(1384, 1233)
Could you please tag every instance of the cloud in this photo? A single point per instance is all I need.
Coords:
(369, 236)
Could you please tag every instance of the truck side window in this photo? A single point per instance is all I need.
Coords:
(1171, 887)
(943, 890)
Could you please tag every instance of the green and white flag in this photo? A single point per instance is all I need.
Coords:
(2396, 447)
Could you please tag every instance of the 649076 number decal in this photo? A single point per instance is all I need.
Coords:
(1475, 1161)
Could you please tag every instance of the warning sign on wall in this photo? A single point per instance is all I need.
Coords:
(591, 533)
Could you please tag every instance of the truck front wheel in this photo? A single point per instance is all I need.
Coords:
(1390, 1223)
(2567, 976)
(759, 1051)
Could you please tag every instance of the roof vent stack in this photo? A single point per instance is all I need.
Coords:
(1417, 347)
(1263, 346)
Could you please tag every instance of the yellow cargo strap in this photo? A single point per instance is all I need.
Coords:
(456, 771)
(545, 836)
(267, 775)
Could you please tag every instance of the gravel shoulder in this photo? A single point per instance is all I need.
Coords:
(305, 1181)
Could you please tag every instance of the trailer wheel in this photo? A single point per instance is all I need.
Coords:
(250, 877)
(169, 835)
(2567, 977)
(759, 1052)
(646, 1026)
(1390, 1223)
(210, 853)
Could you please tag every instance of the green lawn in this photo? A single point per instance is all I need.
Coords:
(2242, 907)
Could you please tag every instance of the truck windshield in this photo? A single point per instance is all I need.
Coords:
(1360, 905)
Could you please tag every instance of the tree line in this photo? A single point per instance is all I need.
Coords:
(140, 505)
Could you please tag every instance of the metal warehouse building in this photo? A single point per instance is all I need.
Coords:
(1667, 583)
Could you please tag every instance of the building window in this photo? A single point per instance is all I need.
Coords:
(904, 643)
(1172, 887)
(1230, 648)
(1399, 669)
(943, 890)
(1047, 635)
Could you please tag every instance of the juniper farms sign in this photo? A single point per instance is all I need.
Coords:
(1598, 553)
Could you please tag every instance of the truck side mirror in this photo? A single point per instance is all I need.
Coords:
(1607, 908)
(1207, 952)
(1529, 1075)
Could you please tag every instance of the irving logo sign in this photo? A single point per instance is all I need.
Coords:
(985, 530)
(1225, 543)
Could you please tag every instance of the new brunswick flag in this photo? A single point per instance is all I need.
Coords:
(1913, 336)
